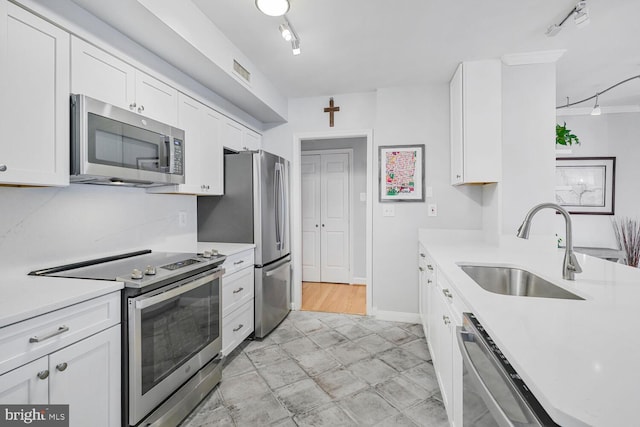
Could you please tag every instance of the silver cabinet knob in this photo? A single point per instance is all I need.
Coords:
(43, 374)
(61, 366)
(141, 109)
(132, 106)
(430, 267)
(420, 268)
(150, 271)
(429, 281)
(136, 274)
(447, 293)
(446, 320)
(3, 168)
(422, 255)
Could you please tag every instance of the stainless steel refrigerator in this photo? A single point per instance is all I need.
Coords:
(255, 209)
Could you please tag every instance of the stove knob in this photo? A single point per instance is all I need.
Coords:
(214, 252)
(206, 254)
(150, 271)
(136, 274)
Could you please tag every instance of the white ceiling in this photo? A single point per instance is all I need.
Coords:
(360, 45)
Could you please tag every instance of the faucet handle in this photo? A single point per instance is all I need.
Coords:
(573, 264)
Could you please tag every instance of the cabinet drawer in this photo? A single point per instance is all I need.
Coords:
(455, 303)
(25, 341)
(238, 261)
(237, 288)
(426, 264)
(237, 326)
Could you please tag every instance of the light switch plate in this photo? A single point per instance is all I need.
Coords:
(429, 191)
(433, 209)
(388, 210)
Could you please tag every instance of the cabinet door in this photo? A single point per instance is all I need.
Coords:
(156, 99)
(456, 123)
(212, 152)
(441, 345)
(34, 112)
(23, 386)
(232, 135)
(189, 120)
(86, 376)
(251, 140)
(97, 74)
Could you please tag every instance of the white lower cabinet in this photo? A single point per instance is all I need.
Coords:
(237, 299)
(86, 374)
(441, 312)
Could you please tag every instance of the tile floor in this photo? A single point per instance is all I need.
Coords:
(327, 369)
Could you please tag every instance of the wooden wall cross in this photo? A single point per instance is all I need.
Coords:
(331, 109)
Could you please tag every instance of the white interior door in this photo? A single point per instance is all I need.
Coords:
(311, 218)
(334, 208)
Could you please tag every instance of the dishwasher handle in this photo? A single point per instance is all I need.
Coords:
(494, 407)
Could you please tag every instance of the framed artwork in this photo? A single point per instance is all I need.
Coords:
(586, 185)
(401, 173)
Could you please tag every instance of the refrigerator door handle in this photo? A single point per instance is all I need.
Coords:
(276, 196)
(283, 208)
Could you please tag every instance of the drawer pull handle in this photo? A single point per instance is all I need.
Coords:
(61, 366)
(422, 255)
(240, 326)
(446, 320)
(429, 281)
(238, 262)
(420, 268)
(60, 330)
(447, 293)
(238, 290)
(430, 267)
(43, 374)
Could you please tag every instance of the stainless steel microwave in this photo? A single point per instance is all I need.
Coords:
(111, 145)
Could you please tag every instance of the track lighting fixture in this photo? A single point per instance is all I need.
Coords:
(596, 108)
(273, 7)
(290, 35)
(581, 18)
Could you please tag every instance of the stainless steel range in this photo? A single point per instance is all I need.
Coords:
(171, 329)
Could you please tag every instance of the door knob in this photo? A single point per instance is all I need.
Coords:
(316, 225)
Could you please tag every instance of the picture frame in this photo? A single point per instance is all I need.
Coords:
(401, 173)
(586, 185)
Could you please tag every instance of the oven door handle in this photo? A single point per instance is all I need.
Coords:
(144, 302)
(494, 407)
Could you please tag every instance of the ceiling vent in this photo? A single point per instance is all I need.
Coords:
(241, 71)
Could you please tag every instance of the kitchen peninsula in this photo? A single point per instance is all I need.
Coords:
(571, 354)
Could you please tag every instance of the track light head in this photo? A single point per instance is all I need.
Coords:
(286, 32)
(596, 108)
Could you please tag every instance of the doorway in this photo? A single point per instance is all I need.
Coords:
(333, 220)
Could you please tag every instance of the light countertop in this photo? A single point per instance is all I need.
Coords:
(23, 297)
(578, 357)
(225, 248)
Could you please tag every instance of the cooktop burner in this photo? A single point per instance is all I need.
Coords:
(136, 269)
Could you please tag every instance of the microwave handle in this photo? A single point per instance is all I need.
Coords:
(494, 407)
(144, 302)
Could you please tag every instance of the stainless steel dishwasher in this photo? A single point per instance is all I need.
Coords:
(493, 392)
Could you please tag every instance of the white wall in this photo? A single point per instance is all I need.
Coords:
(608, 135)
(528, 149)
(413, 115)
(43, 227)
(358, 216)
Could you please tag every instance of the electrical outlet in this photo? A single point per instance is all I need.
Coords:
(433, 209)
(388, 210)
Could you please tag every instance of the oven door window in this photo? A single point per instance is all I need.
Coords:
(176, 329)
(114, 143)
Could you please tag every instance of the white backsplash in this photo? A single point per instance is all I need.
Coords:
(43, 227)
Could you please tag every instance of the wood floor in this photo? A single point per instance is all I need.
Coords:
(334, 298)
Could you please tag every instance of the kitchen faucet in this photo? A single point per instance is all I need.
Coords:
(570, 264)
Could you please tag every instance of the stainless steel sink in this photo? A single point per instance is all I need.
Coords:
(515, 281)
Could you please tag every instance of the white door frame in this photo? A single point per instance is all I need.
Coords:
(349, 152)
(296, 209)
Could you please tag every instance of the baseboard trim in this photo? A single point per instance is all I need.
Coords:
(397, 316)
(359, 281)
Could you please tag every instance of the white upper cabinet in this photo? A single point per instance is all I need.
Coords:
(34, 101)
(240, 138)
(204, 167)
(100, 75)
(476, 122)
